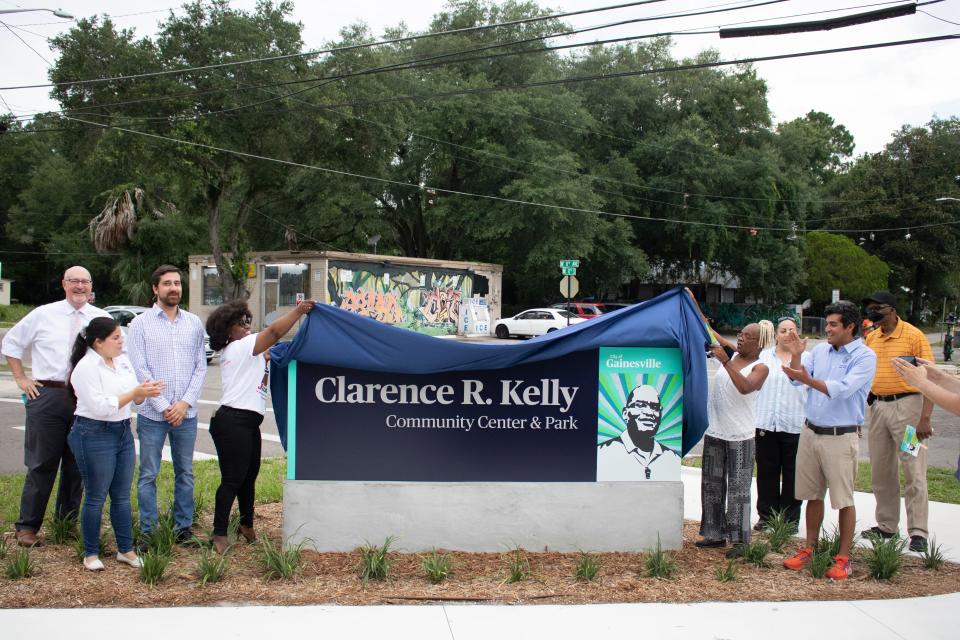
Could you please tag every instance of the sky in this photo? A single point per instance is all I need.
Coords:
(873, 93)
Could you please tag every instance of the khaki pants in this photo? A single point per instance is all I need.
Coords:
(888, 421)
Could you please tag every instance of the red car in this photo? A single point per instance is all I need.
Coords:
(584, 310)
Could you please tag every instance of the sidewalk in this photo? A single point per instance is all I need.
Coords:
(930, 618)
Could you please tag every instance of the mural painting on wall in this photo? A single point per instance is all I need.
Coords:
(420, 299)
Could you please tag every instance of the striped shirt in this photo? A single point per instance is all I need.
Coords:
(904, 340)
(169, 351)
(780, 404)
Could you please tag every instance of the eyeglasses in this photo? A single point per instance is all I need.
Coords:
(747, 337)
(876, 307)
(244, 322)
(78, 281)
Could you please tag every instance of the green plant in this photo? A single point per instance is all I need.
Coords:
(20, 565)
(932, 556)
(153, 565)
(755, 552)
(163, 536)
(375, 561)
(233, 527)
(518, 567)
(830, 542)
(279, 562)
(820, 561)
(211, 566)
(727, 572)
(62, 529)
(779, 530)
(79, 552)
(885, 556)
(3, 546)
(437, 566)
(199, 503)
(658, 564)
(588, 566)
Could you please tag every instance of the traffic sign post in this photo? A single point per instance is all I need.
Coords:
(569, 271)
(569, 286)
(570, 264)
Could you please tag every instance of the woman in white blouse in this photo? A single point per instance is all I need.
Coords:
(728, 451)
(780, 413)
(100, 438)
(235, 427)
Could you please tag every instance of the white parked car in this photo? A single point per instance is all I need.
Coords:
(123, 314)
(536, 322)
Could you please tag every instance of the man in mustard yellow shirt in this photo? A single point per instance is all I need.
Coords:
(893, 404)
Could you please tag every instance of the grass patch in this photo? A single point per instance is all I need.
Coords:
(518, 567)
(206, 479)
(375, 560)
(20, 564)
(436, 566)
(755, 552)
(588, 566)
(942, 486)
(61, 529)
(727, 572)
(279, 562)
(885, 556)
(933, 557)
(820, 561)
(13, 313)
(154, 565)
(78, 550)
(658, 563)
(211, 566)
(779, 530)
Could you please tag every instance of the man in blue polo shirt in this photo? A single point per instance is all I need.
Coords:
(839, 374)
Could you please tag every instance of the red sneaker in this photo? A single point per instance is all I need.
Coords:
(841, 569)
(799, 561)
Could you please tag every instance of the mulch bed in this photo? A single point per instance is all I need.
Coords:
(332, 578)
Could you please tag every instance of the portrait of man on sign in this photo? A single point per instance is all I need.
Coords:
(636, 454)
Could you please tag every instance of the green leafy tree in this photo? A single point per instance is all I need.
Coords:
(835, 262)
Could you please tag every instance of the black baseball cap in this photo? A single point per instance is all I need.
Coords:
(882, 297)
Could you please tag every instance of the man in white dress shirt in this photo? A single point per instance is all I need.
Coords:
(49, 332)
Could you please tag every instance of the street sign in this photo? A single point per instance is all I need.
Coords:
(570, 263)
(569, 271)
(569, 286)
(835, 296)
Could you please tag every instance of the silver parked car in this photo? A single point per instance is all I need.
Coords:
(535, 322)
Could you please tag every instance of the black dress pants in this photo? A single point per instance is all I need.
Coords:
(776, 473)
(45, 451)
(236, 435)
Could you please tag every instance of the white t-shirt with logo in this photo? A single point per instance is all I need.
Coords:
(244, 376)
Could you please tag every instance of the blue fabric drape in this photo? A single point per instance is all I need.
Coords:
(340, 338)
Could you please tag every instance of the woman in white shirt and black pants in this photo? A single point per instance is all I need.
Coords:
(235, 427)
(105, 384)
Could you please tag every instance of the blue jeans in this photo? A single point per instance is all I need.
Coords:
(104, 452)
(152, 435)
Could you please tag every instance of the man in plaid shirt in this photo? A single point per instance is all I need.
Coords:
(167, 343)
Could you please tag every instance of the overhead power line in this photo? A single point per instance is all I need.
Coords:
(821, 25)
(468, 194)
(222, 65)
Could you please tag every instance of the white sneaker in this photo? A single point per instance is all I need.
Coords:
(136, 563)
(92, 563)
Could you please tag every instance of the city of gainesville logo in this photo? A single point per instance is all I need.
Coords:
(623, 369)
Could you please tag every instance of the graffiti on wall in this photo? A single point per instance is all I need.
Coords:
(424, 300)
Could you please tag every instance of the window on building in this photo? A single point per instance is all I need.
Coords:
(212, 287)
(290, 280)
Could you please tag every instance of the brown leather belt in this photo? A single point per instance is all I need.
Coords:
(53, 384)
(890, 398)
(831, 431)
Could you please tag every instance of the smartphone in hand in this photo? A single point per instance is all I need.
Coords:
(909, 359)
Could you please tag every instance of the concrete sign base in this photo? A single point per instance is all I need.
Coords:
(484, 516)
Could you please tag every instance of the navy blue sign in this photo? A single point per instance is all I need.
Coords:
(535, 422)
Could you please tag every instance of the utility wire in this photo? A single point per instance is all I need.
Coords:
(153, 74)
(26, 44)
(514, 201)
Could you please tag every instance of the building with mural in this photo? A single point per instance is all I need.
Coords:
(419, 294)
